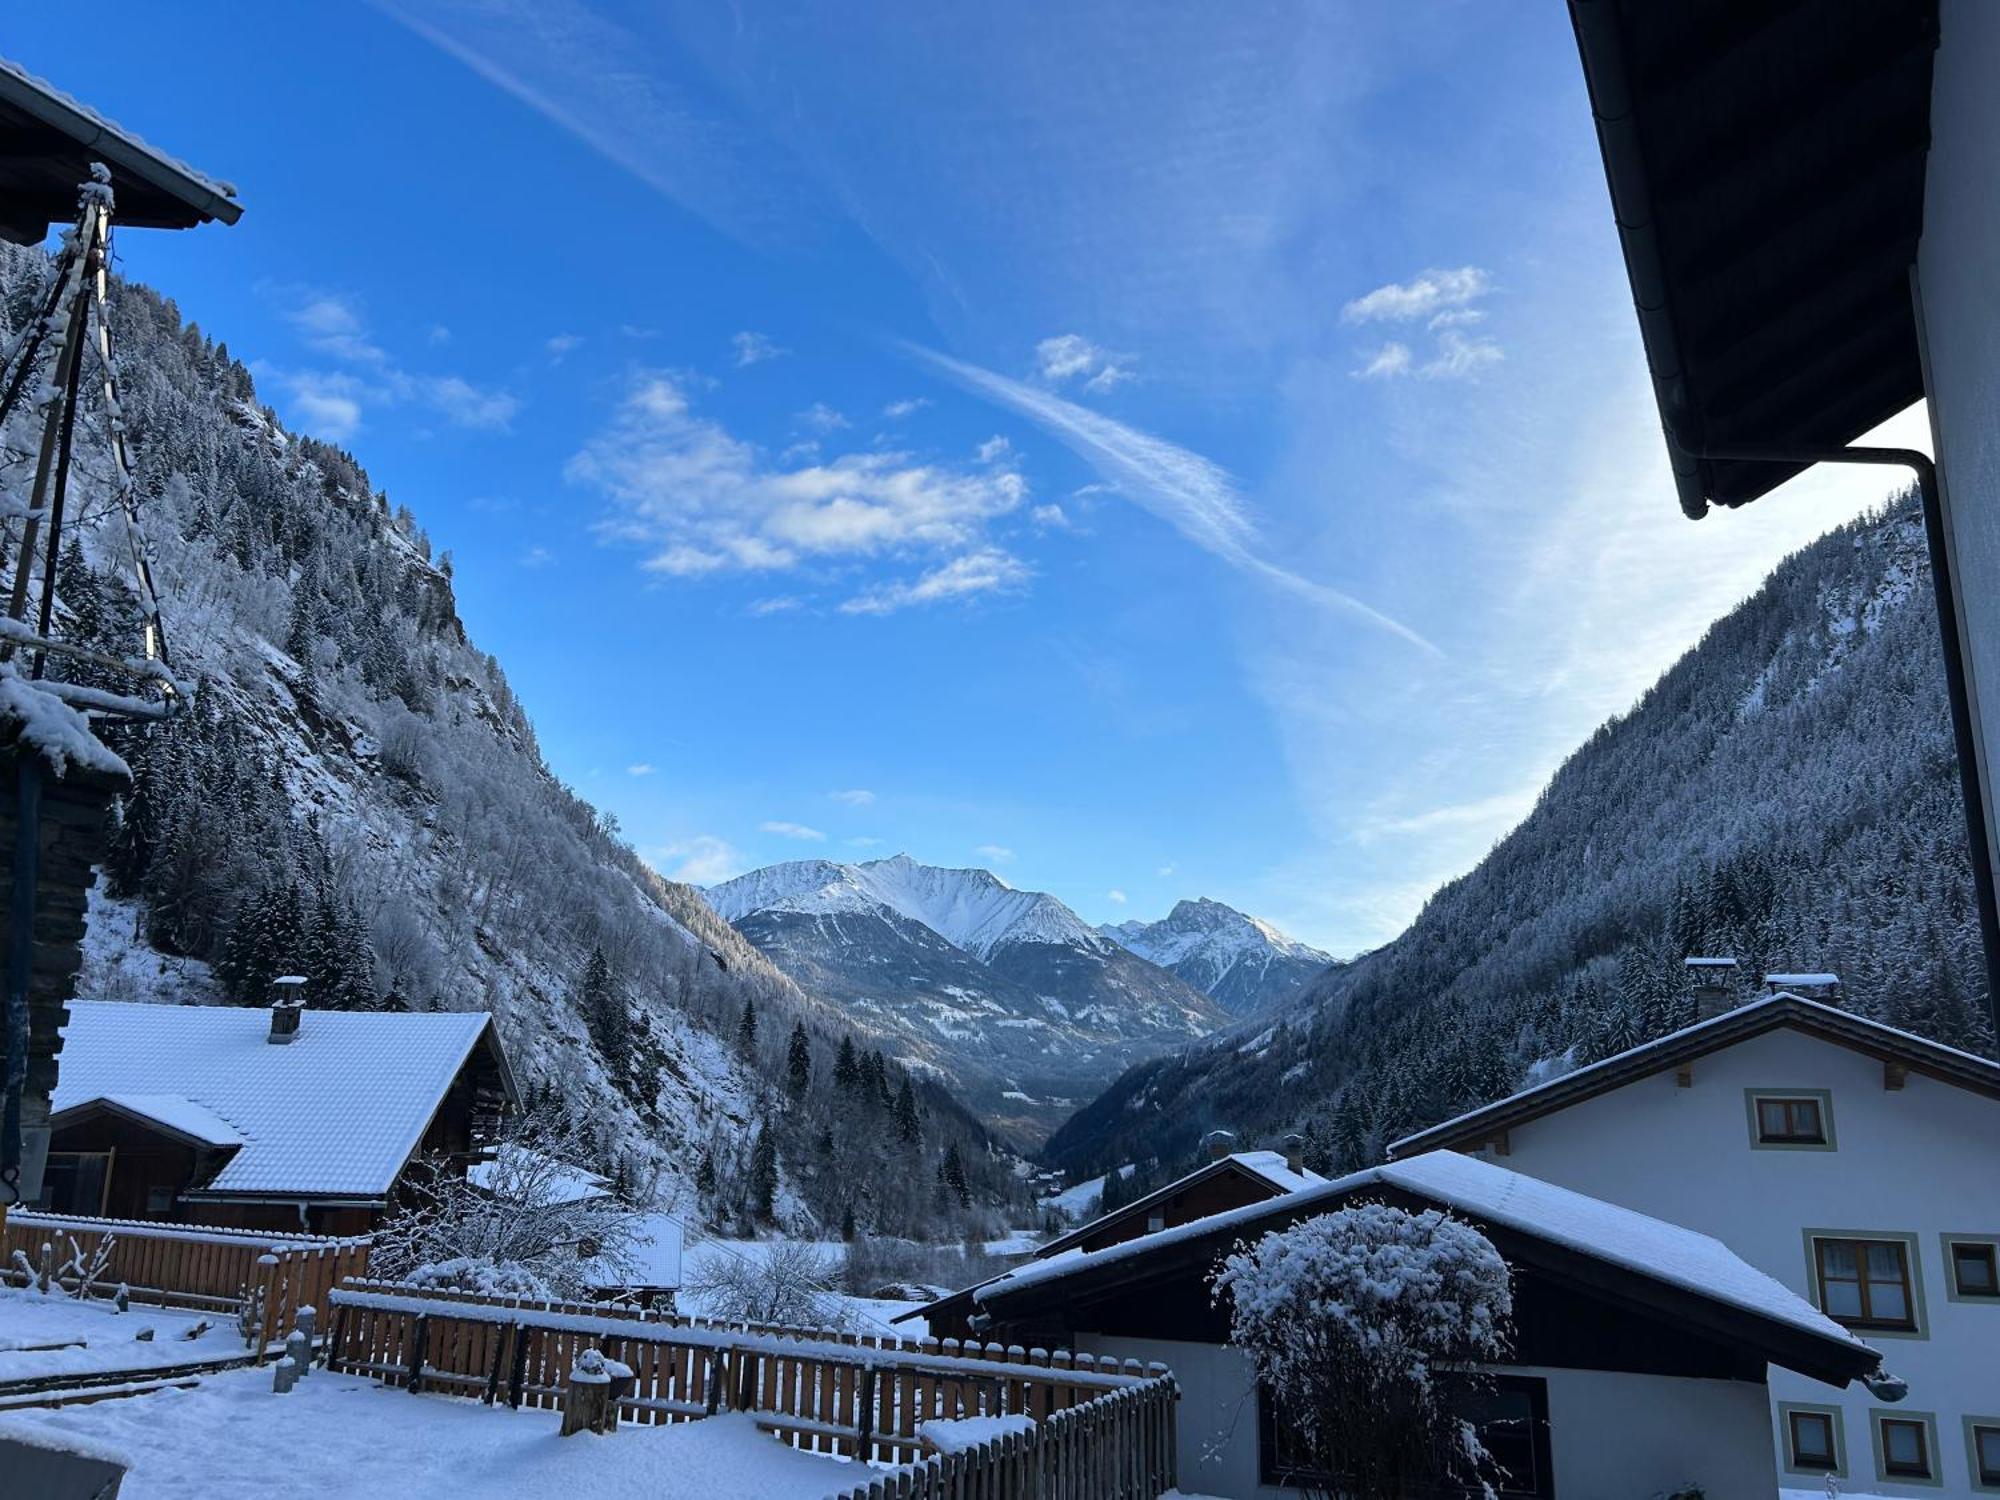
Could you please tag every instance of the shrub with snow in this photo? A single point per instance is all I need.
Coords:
(1367, 1326)
(534, 1224)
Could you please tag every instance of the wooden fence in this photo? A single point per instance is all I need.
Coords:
(851, 1394)
(252, 1275)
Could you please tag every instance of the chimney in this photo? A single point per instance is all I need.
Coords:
(288, 1003)
(1220, 1143)
(1714, 982)
(1807, 986)
(1295, 1152)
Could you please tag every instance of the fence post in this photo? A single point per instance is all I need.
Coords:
(419, 1343)
(715, 1379)
(866, 1424)
(502, 1346)
(517, 1378)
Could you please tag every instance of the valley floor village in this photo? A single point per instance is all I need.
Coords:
(727, 1203)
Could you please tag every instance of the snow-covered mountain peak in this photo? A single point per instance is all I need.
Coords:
(1241, 960)
(972, 909)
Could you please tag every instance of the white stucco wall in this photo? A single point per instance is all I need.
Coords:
(1959, 306)
(1611, 1435)
(1920, 1161)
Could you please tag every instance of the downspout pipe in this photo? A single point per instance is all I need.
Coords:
(1944, 591)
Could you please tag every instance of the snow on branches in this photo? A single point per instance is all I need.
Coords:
(1367, 1325)
(533, 1222)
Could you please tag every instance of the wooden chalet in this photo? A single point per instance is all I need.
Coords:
(282, 1119)
(1228, 1180)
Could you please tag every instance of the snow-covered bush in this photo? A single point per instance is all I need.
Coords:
(1366, 1326)
(784, 1281)
(530, 1222)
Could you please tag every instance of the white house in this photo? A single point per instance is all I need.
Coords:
(1854, 1163)
(1640, 1356)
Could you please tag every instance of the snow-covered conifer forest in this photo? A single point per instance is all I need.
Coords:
(356, 795)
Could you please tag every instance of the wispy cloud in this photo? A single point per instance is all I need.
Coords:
(987, 571)
(703, 502)
(537, 557)
(854, 797)
(999, 854)
(1115, 896)
(1444, 302)
(702, 859)
(639, 768)
(554, 56)
(334, 402)
(755, 348)
(1195, 496)
(560, 346)
(1423, 295)
(909, 406)
(787, 830)
(1166, 870)
(1494, 815)
(1070, 356)
(821, 418)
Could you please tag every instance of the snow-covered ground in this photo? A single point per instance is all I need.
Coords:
(42, 1336)
(1084, 1201)
(341, 1437)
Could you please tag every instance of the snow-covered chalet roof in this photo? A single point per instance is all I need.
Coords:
(335, 1113)
(1773, 1012)
(556, 1182)
(1650, 1249)
(171, 1112)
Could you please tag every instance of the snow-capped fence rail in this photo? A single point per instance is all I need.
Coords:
(820, 1391)
(250, 1274)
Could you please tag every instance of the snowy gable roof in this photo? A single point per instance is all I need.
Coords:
(1783, 1010)
(171, 1112)
(1704, 1272)
(334, 1113)
(1275, 1169)
(1268, 1170)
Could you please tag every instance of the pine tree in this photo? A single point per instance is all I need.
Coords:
(847, 1069)
(746, 1031)
(909, 1124)
(763, 1173)
(954, 1176)
(704, 1174)
(798, 1061)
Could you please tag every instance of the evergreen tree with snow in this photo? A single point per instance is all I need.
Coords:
(798, 1061)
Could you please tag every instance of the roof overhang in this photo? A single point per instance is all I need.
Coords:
(1837, 1362)
(221, 1141)
(1766, 163)
(48, 142)
(1779, 1012)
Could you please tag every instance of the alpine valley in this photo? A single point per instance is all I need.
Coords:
(1026, 1009)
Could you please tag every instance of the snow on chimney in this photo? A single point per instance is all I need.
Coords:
(1220, 1143)
(1295, 1152)
(288, 1003)
(1714, 986)
(1806, 986)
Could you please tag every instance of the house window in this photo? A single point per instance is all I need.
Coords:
(1983, 1439)
(1790, 1119)
(1812, 1441)
(1865, 1283)
(1903, 1447)
(1790, 1122)
(1974, 1266)
(1512, 1421)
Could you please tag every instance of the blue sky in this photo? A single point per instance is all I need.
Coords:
(1152, 452)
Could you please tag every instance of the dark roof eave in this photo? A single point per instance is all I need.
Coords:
(116, 149)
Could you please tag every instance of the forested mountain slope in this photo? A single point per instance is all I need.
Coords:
(355, 794)
(1787, 793)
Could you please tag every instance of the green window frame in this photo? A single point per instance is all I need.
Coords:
(1906, 1446)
